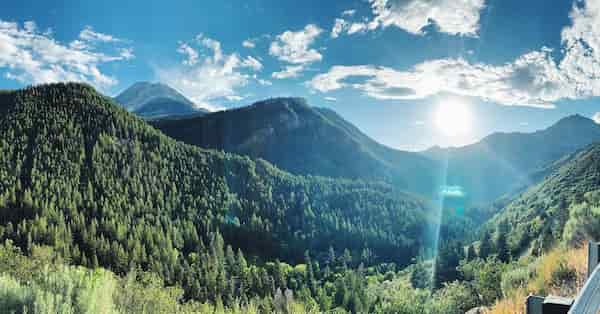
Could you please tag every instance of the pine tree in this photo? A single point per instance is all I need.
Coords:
(420, 277)
(502, 247)
(471, 254)
(485, 246)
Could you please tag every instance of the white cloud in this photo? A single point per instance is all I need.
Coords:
(332, 99)
(264, 82)
(339, 26)
(252, 63)
(510, 84)
(191, 53)
(249, 43)
(126, 53)
(214, 76)
(581, 45)
(234, 97)
(348, 12)
(88, 34)
(455, 17)
(357, 28)
(289, 71)
(31, 56)
(596, 117)
(533, 79)
(294, 47)
(419, 122)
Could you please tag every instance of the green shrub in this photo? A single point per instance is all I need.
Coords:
(514, 279)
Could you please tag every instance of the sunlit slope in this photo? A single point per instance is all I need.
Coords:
(537, 218)
(305, 140)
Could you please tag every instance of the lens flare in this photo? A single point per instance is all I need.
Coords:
(453, 118)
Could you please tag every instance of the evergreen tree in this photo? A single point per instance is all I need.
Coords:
(485, 246)
(502, 247)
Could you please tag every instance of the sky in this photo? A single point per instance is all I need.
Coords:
(387, 66)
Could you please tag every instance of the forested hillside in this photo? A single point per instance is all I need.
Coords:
(305, 140)
(537, 218)
(103, 188)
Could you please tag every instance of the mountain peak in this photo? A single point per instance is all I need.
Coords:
(575, 118)
(574, 122)
(155, 99)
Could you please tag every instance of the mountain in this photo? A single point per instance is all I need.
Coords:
(304, 140)
(507, 162)
(103, 188)
(154, 100)
(538, 216)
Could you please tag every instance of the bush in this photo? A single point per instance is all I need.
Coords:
(455, 297)
(515, 279)
(563, 275)
(485, 276)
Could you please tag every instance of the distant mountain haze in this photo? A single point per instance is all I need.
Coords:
(154, 100)
(506, 162)
(317, 141)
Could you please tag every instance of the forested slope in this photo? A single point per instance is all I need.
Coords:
(537, 218)
(305, 140)
(103, 188)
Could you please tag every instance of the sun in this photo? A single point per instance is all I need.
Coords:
(453, 118)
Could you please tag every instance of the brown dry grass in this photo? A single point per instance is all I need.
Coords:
(574, 258)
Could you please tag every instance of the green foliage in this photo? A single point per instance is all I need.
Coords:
(43, 286)
(104, 189)
(561, 207)
(584, 219)
(398, 297)
(446, 263)
(514, 279)
(420, 277)
(485, 276)
(485, 246)
(501, 247)
(454, 297)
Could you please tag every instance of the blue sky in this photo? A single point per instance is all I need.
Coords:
(385, 65)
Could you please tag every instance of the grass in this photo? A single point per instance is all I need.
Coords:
(560, 272)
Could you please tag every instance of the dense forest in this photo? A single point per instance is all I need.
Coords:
(104, 189)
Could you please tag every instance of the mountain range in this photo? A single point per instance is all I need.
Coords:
(303, 140)
(317, 141)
